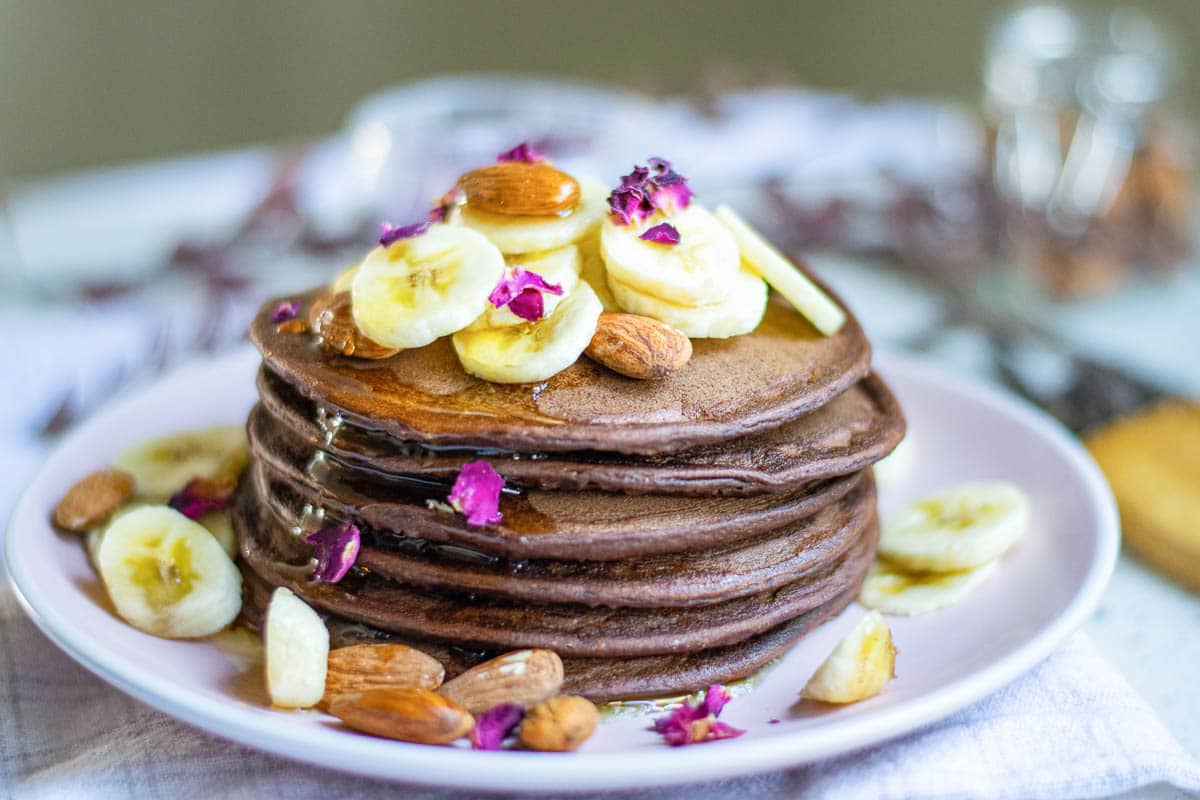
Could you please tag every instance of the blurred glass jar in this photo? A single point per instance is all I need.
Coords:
(409, 143)
(1093, 178)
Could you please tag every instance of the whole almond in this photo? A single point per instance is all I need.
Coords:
(519, 189)
(559, 724)
(638, 347)
(410, 715)
(90, 502)
(331, 318)
(379, 666)
(526, 677)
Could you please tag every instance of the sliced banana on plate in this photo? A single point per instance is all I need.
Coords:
(893, 590)
(160, 467)
(762, 257)
(960, 528)
(518, 234)
(859, 667)
(533, 351)
(296, 645)
(557, 267)
(742, 309)
(419, 289)
(220, 525)
(167, 575)
(695, 272)
(593, 271)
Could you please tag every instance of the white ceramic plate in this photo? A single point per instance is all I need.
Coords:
(957, 431)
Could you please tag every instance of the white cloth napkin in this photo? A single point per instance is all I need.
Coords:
(1071, 728)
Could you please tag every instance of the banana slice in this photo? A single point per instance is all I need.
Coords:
(296, 644)
(161, 467)
(593, 271)
(344, 279)
(220, 525)
(167, 575)
(762, 257)
(859, 667)
(559, 267)
(960, 528)
(92, 544)
(893, 590)
(743, 308)
(533, 351)
(417, 290)
(695, 272)
(514, 234)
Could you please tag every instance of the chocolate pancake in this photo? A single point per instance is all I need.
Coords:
(853, 430)
(567, 628)
(598, 679)
(730, 388)
(698, 577)
(536, 524)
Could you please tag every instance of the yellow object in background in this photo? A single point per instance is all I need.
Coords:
(1152, 461)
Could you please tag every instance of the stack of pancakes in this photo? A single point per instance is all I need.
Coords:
(658, 535)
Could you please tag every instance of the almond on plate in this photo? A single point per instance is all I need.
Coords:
(526, 677)
(93, 500)
(410, 715)
(379, 666)
(559, 724)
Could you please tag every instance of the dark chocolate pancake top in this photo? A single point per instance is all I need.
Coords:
(730, 388)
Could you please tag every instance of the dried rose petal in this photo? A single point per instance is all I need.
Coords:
(476, 493)
(521, 290)
(200, 496)
(337, 550)
(629, 205)
(285, 311)
(522, 152)
(695, 723)
(662, 233)
(389, 235)
(715, 699)
(493, 726)
(647, 190)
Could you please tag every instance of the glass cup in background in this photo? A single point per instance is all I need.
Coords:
(1092, 178)
(409, 143)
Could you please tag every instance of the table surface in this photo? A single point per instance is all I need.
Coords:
(1145, 625)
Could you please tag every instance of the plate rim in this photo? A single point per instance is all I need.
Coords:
(510, 770)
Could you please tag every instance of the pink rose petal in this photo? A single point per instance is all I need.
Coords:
(662, 233)
(285, 311)
(493, 726)
(648, 190)
(476, 493)
(521, 290)
(389, 235)
(201, 496)
(336, 551)
(695, 723)
(523, 152)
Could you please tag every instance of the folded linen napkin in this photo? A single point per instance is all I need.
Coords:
(1071, 728)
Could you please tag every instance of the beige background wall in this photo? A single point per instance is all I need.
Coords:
(85, 82)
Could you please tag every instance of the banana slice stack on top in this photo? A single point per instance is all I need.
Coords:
(520, 260)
